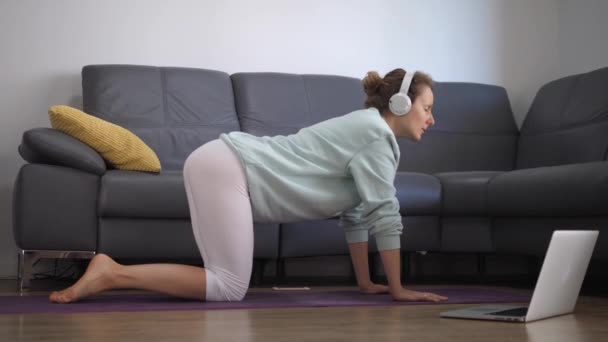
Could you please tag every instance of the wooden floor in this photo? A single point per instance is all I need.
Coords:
(381, 324)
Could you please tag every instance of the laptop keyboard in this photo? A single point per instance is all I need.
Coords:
(511, 312)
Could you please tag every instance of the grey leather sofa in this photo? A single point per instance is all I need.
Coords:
(475, 183)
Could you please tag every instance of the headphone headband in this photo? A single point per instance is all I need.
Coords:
(407, 82)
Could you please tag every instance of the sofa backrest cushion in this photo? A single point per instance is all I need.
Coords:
(173, 110)
(280, 104)
(474, 131)
(567, 122)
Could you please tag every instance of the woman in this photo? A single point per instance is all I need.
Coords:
(343, 166)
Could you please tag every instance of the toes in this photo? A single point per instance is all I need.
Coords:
(55, 297)
(59, 297)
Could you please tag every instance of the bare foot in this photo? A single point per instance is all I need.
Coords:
(97, 278)
(409, 295)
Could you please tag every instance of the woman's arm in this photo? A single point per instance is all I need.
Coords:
(391, 259)
(359, 257)
(373, 169)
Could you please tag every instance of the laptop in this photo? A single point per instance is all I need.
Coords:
(558, 285)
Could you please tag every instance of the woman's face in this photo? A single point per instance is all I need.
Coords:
(420, 118)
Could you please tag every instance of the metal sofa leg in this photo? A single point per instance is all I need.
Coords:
(27, 258)
(257, 274)
(405, 266)
(280, 270)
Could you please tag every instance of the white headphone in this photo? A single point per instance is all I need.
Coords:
(401, 104)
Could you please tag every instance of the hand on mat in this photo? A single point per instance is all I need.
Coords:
(409, 295)
(374, 289)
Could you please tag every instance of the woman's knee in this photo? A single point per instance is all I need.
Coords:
(234, 291)
(224, 286)
(237, 294)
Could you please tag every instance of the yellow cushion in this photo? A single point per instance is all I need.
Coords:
(118, 146)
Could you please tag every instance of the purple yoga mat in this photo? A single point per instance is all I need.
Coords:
(253, 300)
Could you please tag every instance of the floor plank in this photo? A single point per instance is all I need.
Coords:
(411, 323)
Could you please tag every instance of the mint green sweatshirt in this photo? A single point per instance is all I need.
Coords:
(342, 166)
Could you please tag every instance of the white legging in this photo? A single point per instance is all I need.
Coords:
(222, 221)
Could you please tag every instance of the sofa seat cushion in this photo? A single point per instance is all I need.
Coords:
(561, 191)
(312, 238)
(465, 193)
(143, 195)
(418, 194)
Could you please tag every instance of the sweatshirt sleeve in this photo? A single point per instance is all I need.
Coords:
(355, 230)
(373, 169)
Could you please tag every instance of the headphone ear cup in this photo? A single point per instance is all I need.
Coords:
(408, 105)
(400, 104)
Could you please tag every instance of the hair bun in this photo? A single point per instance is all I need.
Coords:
(372, 82)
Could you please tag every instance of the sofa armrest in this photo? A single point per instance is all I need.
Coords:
(50, 146)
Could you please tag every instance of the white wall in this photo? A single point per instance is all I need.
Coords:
(512, 43)
(583, 32)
